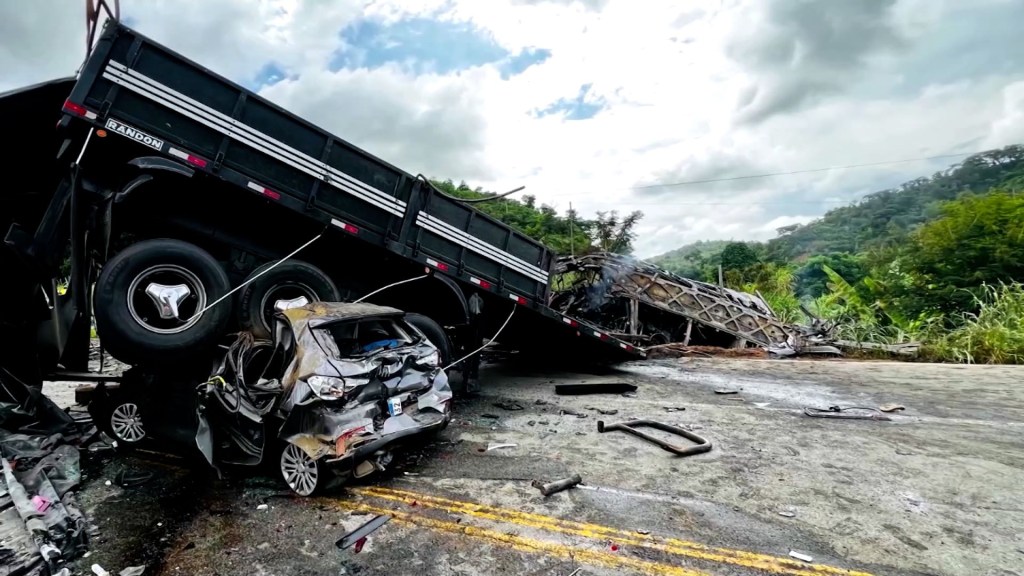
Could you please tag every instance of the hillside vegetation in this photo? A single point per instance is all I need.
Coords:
(940, 259)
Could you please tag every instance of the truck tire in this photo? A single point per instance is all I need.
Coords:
(136, 329)
(433, 331)
(289, 281)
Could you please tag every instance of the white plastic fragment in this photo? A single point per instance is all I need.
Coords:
(801, 556)
(262, 507)
(107, 483)
(99, 571)
(494, 446)
(132, 571)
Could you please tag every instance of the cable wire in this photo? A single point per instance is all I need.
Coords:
(253, 279)
(752, 176)
(489, 342)
(390, 286)
(466, 200)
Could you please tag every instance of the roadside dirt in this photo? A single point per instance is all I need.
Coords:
(934, 491)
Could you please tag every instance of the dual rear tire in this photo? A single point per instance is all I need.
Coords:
(154, 300)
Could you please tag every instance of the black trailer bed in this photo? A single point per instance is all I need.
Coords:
(138, 89)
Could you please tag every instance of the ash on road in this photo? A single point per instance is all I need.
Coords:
(936, 490)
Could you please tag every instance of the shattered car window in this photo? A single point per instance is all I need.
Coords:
(353, 339)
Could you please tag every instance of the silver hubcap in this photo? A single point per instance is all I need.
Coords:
(299, 470)
(166, 299)
(126, 423)
(283, 297)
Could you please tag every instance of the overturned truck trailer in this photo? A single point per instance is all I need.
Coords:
(642, 303)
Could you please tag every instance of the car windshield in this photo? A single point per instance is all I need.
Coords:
(349, 339)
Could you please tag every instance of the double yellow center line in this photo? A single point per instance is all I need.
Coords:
(670, 546)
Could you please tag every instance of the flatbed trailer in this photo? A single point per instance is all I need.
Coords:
(151, 145)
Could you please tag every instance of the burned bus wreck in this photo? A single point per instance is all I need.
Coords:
(644, 304)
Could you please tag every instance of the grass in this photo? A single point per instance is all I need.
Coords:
(995, 335)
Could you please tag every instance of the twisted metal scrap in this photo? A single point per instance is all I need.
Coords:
(741, 314)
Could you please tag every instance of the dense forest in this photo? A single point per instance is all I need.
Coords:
(938, 259)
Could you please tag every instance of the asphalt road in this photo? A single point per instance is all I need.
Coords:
(935, 490)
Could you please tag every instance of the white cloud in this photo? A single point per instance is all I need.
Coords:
(882, 80)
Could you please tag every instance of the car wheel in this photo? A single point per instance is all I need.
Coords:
(304, 475)
(433, 331)
(150, 301)
(292, 283)
(125, 422)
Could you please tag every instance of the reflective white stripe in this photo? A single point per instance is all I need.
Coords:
(513, 265)
(459, 237)
(598, 334)
(257, 187)
(90, 114)
(516, 298)
(178, 153)
(567, 320)
(121, 75)
(624, 346)
(435, 263)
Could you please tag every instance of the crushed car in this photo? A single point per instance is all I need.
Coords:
(337, 387)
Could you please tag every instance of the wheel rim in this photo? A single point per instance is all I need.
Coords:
(126, 423)
(299, 470)
(166, 299)
(283, 296)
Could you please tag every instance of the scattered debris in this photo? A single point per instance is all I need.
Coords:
(497, 446)
(558, 485)
(762, 404)
(531, 423)
(263, 545)
(787, 513)
(594, 388)
(642, 531)
(630, 427)
(726, 391)
(543, 422)
(129, 479)
(576, 571)
(603, 411)
(801, 556)
(262, 507)
(892, 407)
(629, 394)
(737, 398)
(571, 412)
(490, 416)
(99, 571)
(540, 402)
(360, 533)
(132, 571)
(844, 413)
(510, 406)
(674, 408)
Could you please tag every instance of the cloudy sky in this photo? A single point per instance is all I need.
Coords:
(605, 104)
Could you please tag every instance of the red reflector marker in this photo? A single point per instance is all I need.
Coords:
(202, 164)
(439, 265)
(271, 194)
(518, 299)
(345, 226)
(77, 109)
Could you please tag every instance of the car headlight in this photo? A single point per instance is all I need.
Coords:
(326, 387)
(431, 359)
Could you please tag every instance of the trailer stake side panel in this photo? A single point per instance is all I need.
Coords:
(140, 90)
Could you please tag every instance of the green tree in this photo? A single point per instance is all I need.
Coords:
(977, 240)
(812, 281)
(738, 256)
(612, 234)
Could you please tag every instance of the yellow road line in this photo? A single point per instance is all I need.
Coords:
(523, 544)
(766, 562)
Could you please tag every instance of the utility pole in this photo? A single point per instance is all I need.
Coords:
(720, 282)
(572, 247)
